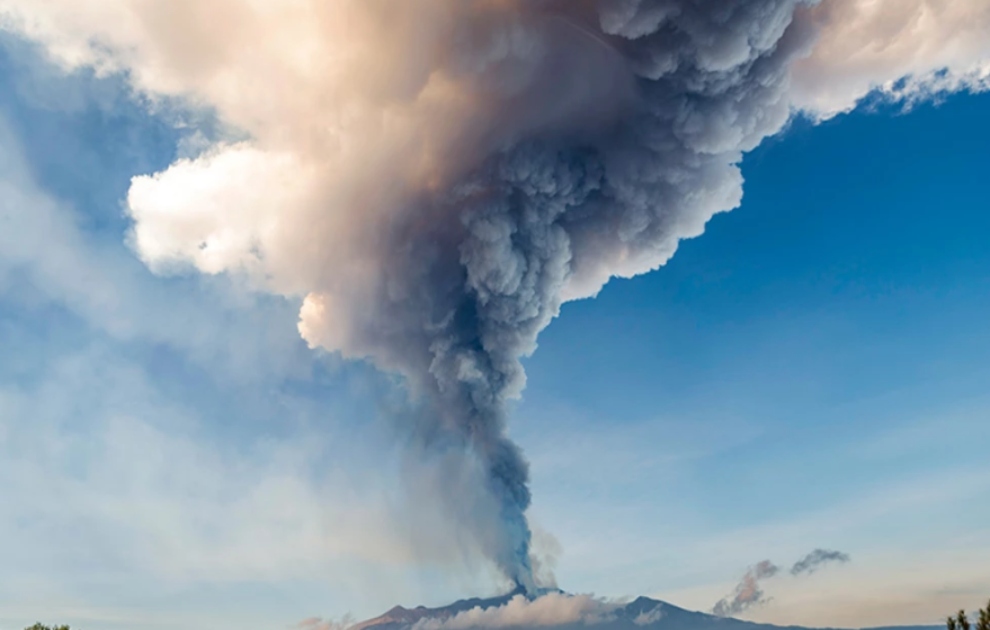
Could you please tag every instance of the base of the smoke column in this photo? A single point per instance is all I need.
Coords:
(533, 592)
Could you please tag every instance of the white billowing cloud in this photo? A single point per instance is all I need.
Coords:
(908, 49)
(209, 211)
(45, 242)
(343, 102)
(551, 609)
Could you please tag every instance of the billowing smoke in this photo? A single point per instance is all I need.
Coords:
(814, 560)
(550, 609)
(434, 179)
(748, 592)
(904, 50)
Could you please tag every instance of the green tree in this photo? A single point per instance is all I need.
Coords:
(961, 622)
(39, 626)
(983, 623)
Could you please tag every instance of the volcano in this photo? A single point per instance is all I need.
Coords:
(507, 611)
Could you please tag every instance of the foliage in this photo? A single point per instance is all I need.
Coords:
(961, 621)
(39, 626)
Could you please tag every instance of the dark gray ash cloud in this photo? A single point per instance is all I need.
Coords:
(624, 138)
(556, 211)
(816, 559)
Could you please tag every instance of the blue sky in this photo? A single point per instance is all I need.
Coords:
(816, 353)
(808, 373)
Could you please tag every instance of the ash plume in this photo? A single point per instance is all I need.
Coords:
(434, 179)
(816, 559)
(748, 592)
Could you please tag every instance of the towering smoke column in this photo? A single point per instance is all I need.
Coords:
(643, 114)
(435, 178)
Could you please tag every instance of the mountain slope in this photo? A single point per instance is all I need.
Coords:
(559, 611)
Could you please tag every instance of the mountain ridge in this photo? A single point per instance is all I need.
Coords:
(642, 613)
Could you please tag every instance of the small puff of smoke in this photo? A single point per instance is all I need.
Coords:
(811, 562)
(748, 592)
(552, 609)
(648, 617)
(546, 551)
(318, 623)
